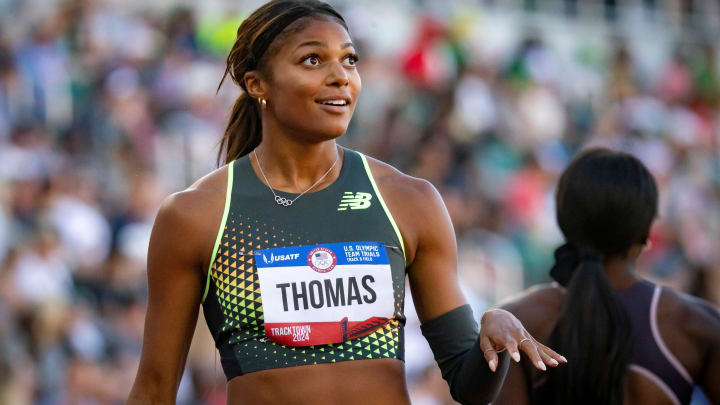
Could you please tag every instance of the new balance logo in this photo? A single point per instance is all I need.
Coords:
(354, 201)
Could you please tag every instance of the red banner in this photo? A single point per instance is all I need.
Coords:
(321, 333)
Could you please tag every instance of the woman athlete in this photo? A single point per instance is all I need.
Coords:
(627, 341)
(298, 249)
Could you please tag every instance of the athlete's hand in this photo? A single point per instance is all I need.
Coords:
(501, 330)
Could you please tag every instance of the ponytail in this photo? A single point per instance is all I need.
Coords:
(244, 130)
(593, 332)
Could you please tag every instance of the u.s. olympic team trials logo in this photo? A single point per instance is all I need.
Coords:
(322, 259)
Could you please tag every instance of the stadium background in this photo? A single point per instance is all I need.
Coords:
(106, 107)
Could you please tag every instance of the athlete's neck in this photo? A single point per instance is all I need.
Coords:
(293, 166)
(620, 272)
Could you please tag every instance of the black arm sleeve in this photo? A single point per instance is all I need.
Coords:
(453, 338)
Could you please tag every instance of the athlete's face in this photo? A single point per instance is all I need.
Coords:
(313, 81)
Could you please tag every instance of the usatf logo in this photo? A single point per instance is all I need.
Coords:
(279, 258)
(354, 201)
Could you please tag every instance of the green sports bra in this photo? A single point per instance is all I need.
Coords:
(331, 267)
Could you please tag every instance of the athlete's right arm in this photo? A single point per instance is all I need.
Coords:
(175, 285)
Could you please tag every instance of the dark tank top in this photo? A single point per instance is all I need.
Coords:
(331, 267)
(651, 357)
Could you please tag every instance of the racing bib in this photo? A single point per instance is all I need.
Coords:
(323, 294)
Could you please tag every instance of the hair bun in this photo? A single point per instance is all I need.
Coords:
(568, 257)
(566, 260)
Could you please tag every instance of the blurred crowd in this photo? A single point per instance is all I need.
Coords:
(105, 109)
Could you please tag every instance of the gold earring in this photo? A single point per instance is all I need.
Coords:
(263, 103)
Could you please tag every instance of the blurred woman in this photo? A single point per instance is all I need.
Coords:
(298, 249)
(627, 340)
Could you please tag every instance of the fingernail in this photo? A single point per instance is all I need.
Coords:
(516, 356)
(554, 362)
(541, 365)
(492, 365)
(564, 359)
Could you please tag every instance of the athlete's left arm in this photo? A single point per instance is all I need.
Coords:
(447, 320)
(702, 321)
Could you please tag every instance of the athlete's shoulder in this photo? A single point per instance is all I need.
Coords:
(198, 198)
(194, 212)
(416, 206)
(391, 180)
(537, 307)
(697, 317)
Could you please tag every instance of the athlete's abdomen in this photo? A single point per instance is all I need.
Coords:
(378, 381)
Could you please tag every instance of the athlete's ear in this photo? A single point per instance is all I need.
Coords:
(647, 246)
(255, 85)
